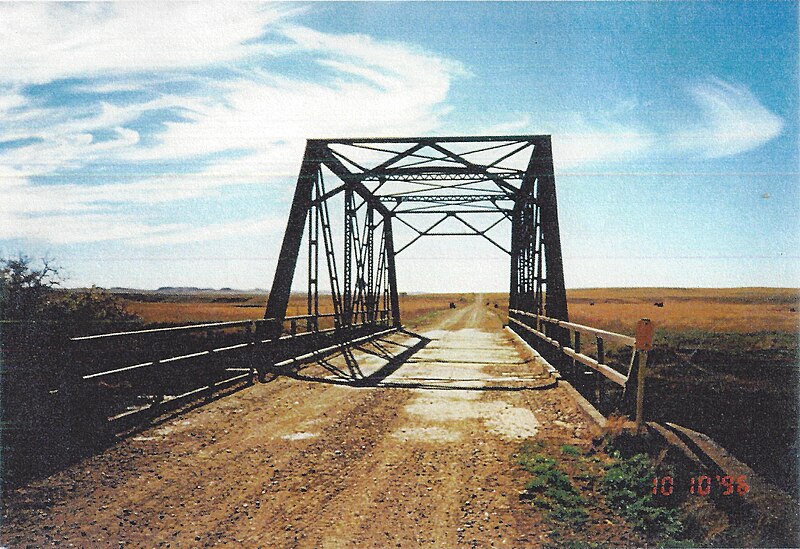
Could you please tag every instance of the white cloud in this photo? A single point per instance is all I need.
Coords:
(70, 214)
(67, 228)
(580, 141)
(355, 85)
(376, 89)
(10, 100)
(733, 121)
(84, 39)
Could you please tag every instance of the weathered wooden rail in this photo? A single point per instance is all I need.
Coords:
(537, 325)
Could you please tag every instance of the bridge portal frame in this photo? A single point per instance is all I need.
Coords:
(404, 181)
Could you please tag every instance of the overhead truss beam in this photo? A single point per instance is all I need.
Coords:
(478, 182)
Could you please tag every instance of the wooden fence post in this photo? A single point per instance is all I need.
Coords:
(601, 358)
(644, 342)
(640, 390)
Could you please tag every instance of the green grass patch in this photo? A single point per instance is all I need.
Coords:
(569, 450)
(552, 489)
(627, 486)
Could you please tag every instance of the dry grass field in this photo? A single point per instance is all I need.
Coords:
(735, 310)
(726, 360)
(208, 307)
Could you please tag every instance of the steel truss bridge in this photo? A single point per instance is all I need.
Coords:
(357, 206)
(367, 189)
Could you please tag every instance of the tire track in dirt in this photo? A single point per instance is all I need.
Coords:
(201, 466)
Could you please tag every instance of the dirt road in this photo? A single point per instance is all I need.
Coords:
(357, 451)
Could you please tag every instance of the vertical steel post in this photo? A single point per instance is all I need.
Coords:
(370, 264)
(516, 237)
(312, 299)
(293, 237)
(556, 295)
(390, 267)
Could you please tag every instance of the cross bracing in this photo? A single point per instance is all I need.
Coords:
(353, 195)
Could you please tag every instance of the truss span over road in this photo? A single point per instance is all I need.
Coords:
(353, 197)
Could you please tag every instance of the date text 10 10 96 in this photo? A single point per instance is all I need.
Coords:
(702, 485)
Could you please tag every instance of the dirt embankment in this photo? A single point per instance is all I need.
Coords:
(421, 455)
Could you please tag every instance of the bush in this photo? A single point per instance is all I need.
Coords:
(23, 289)
(31, 294)
(49, 414)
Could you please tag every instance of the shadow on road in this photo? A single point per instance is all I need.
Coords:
(380, 348)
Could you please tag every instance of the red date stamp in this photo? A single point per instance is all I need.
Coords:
(703, 485)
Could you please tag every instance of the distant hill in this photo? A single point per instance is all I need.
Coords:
(185, 290)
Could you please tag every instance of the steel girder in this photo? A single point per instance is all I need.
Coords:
(476, 182)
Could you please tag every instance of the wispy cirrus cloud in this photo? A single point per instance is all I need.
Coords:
(42, 42)
(732, 121)
(579, 139)
(100, 103)
(240, 228)
(150, 84)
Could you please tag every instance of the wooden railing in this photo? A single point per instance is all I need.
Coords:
(537, 325)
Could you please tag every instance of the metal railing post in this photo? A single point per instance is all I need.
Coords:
(158, 399)
(251, 339)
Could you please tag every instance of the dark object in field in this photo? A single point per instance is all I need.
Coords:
(591, 303)
(495, 305)
(792, 310)
(452, 305)
(659, 303)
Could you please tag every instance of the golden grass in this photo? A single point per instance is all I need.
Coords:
(738, 310)
(169, 312)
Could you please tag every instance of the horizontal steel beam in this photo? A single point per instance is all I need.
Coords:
(476, 211)
(446, 139)
(494, 197)
(190, 328)
(439, 173)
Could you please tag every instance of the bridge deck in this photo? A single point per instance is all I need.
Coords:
(404, 442)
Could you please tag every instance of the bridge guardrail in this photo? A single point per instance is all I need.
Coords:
(120, 353)
(639, 345)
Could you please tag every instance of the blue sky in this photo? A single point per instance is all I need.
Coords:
(147, 145)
